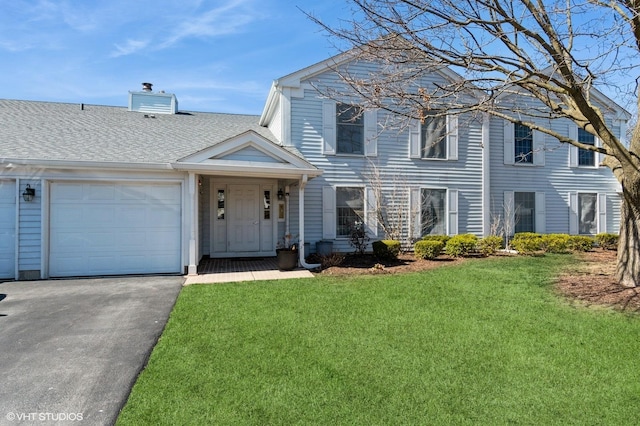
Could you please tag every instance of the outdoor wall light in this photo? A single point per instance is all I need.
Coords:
(280, 194)
(29, 193)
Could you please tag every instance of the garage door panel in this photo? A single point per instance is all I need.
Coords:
(117, 230)
(163, 238)
(163, 217)
(165, 193)
(69, 192)
(99, 192)
(99, 216)
(69, 241)
(133, 193)
(132, 216)
(67, 216)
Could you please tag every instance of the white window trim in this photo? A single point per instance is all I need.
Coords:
(601, 213)
(538, 147)
(451, 210)
(330, 126)
(452, 136)
(540, 218)
(330, 211)
(574, 150)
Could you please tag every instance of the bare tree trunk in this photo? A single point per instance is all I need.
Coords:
(628, 267)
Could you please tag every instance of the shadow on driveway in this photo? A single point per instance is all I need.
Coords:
(72, 349)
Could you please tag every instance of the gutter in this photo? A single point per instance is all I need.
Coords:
(63, 164)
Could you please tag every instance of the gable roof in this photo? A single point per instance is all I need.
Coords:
(251, 154)
(295, 79)
(71, 133)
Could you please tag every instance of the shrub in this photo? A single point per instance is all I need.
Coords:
(461, 245)
(489, 245)
(442, 238)
(555, 243)
(607, 241)
(428, 249)
(333, 259)
(386, 249)
(359, 238)
(526, 242)
(580, 243)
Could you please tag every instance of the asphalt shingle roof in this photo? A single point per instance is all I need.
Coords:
(74, 132)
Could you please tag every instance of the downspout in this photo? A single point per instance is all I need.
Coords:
(303, 183)
(486, 176)
(16, 258)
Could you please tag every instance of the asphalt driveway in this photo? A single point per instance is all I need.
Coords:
(70, 350)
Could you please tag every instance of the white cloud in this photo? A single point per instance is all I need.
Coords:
(193, 21)
(229, 18)
(131, 46)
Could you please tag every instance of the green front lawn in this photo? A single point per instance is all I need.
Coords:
(487, 342)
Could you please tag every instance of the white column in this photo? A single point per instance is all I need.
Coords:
(193, 224)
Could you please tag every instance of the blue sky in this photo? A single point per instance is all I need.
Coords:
(215, 55)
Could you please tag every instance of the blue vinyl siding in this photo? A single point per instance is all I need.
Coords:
(397, 172)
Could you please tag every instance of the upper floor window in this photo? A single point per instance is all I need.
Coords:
(525, 211)
(523, 144)
(349, 129)
(349, 209)
(433, 140)
(586, 157)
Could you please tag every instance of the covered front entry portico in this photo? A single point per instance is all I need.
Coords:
(243, 217)
(233, 208)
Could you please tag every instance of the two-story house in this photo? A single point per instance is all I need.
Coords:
(97, 190)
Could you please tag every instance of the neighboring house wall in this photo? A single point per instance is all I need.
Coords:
(8, 198)
(551, 177)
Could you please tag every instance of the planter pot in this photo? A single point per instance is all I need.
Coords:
(324, 247)
(286, 259)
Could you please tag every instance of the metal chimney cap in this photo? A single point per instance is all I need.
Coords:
(147, 87)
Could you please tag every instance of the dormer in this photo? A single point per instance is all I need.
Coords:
(152, 102)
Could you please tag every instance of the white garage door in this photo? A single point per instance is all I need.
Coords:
(114, 228)
(7, 228)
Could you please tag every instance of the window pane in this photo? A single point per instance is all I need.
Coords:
(350, 209)
(433, 136)
(523, 144)
(266, 205)
(350, 129)
(433, 209)
(585, 157)
(587, 213)
(220, 204)
(525, 211)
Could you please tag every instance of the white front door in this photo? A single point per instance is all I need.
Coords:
(244, 218)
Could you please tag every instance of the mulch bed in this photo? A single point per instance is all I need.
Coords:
(592, 282)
